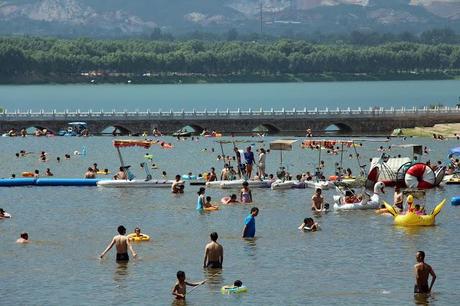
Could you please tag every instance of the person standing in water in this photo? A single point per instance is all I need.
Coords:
(317, 201)
(201, 199)
(422, 272)
(213, 253)
(245, 193)
(180, 288)
(262, 157)
(249, 157)
(249, 230)
(122, 245)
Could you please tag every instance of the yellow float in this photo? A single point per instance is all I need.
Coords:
(412, 219)
(142, 237)
(27, 174)
(212, 208)
(103, 172)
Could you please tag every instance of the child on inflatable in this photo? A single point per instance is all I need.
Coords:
(208, 203)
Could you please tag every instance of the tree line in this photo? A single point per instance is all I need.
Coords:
(22, 56)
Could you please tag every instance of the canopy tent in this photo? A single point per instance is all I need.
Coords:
(133, 143)
(454, 151)
(282, 144)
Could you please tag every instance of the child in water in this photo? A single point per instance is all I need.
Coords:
(236, 284)
(245, 193)
(230, 200)
(180, 288)
(309, 225)
(208, 204)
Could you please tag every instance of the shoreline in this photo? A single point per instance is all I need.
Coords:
(447, 130)
(215, 79)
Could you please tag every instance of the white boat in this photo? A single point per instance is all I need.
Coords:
(135, 183)
(238, 184)
(319, 184)
(282, 185)
(366, 203)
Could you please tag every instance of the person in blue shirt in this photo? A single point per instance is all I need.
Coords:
(249, 229)
(201, 199)
(249, 157)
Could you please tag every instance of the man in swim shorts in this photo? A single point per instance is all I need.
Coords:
(213, 253)
(422, 272)
(122, 245)
(317, 201)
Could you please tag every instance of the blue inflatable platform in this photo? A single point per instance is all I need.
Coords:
(48, 182)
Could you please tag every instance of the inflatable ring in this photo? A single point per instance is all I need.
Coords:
(212, 208)
(233, 289)
(133, 237)
(103, 172)
(420, 176)
(27, 174)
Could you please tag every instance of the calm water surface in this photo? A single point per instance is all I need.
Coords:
(223, 96)
(358, 257)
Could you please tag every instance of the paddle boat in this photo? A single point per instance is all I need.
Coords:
(364, 201)
(411, 218)
(148, 182)
(75, 129)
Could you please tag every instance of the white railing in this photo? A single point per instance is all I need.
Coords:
(222, 114)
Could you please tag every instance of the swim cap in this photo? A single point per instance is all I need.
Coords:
(410, 199)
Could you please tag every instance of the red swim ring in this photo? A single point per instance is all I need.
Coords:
(420, 176)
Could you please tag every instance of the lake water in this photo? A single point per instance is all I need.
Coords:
(358, 257)
(233, 96)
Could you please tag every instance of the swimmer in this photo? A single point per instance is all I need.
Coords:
(89, 174)
(48, 172)
(213, 253)
(95, 168)
(36, 173)
(422, 272)
(180, 288)
(309, 225)
(164, 175)
(236, 284)
(231, 199)
(178, 185)
(106, 171)
(4, 214)
(58, 159)
(317, 201)
(137, 232)
(67, 156)
(208, 203)
(212, 175)
(245, 193)
(43, 156)
(23, 238)
(121, 174)
(122, 245)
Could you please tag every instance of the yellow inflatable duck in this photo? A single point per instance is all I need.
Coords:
(410, 218)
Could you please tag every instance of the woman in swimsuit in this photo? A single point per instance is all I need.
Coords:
(245, 194)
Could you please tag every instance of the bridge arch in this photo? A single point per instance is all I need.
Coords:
(193, 128)
(115, 130)
(32, 128)
(337, 128)
(266, 128)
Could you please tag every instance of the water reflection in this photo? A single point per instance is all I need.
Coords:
(121, 273)
(250, 246)
(421, 299)
(214, 278)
